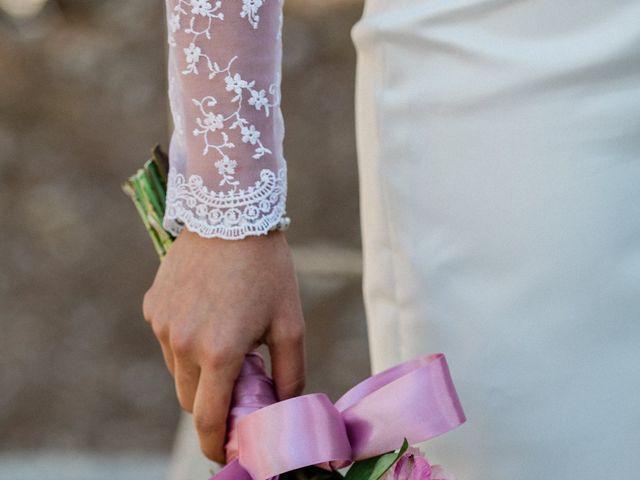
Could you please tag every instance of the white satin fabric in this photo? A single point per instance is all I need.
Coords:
(499, 156)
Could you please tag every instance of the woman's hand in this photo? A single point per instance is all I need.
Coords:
(213, 301)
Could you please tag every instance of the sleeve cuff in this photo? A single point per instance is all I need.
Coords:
(231, 215)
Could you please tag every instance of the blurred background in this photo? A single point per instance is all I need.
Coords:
(84, 393)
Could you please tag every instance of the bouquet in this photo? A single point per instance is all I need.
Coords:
(367, 433)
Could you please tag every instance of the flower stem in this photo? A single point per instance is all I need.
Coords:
(147, 188)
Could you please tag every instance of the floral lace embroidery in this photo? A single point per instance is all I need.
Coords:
(211, 125)
(237, 211)
(230, 215)
(250, 9)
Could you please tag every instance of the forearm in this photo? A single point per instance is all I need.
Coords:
(228, 172)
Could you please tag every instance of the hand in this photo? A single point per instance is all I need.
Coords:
(213, 301)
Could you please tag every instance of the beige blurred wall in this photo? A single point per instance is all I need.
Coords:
(82, 99)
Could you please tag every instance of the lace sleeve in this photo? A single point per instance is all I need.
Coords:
(228, 175)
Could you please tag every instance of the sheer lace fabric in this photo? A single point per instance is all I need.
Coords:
(228, 175)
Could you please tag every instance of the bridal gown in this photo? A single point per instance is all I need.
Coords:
(499, 159)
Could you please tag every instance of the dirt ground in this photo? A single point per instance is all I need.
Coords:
(82, 99)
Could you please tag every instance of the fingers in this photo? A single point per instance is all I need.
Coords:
(288, 359)
(213, 398)
(187, 371)
(168, 358)
(161, 331)
(187, 376)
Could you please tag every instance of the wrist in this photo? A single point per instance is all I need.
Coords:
(194, 238)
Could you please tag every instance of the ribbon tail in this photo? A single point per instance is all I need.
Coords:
(232, 471)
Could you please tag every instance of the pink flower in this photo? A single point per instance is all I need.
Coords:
(413, 465)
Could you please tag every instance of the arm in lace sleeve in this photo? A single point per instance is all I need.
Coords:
(228, 174)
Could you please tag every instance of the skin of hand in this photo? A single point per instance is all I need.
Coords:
(211, 302)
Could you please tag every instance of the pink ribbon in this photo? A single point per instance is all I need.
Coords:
(415, 400)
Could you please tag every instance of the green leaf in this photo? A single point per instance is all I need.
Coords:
(375, 467)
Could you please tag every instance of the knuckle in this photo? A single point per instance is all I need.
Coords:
(206, 425)
(295, 387)
(162, 334)
(181, 344)
(298, 331)
(160, 329)
(294, 333)
(147, 306)
(217, 356)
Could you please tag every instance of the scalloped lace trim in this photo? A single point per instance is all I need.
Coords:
(231, 215)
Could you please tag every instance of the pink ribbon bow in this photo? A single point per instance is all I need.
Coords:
(415, 400)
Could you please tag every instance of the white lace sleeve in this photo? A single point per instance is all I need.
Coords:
(228, 175)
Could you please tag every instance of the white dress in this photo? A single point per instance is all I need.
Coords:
(499, 156)
(499, 159)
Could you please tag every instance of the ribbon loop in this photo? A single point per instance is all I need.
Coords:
(415, 400)
(291, 434)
